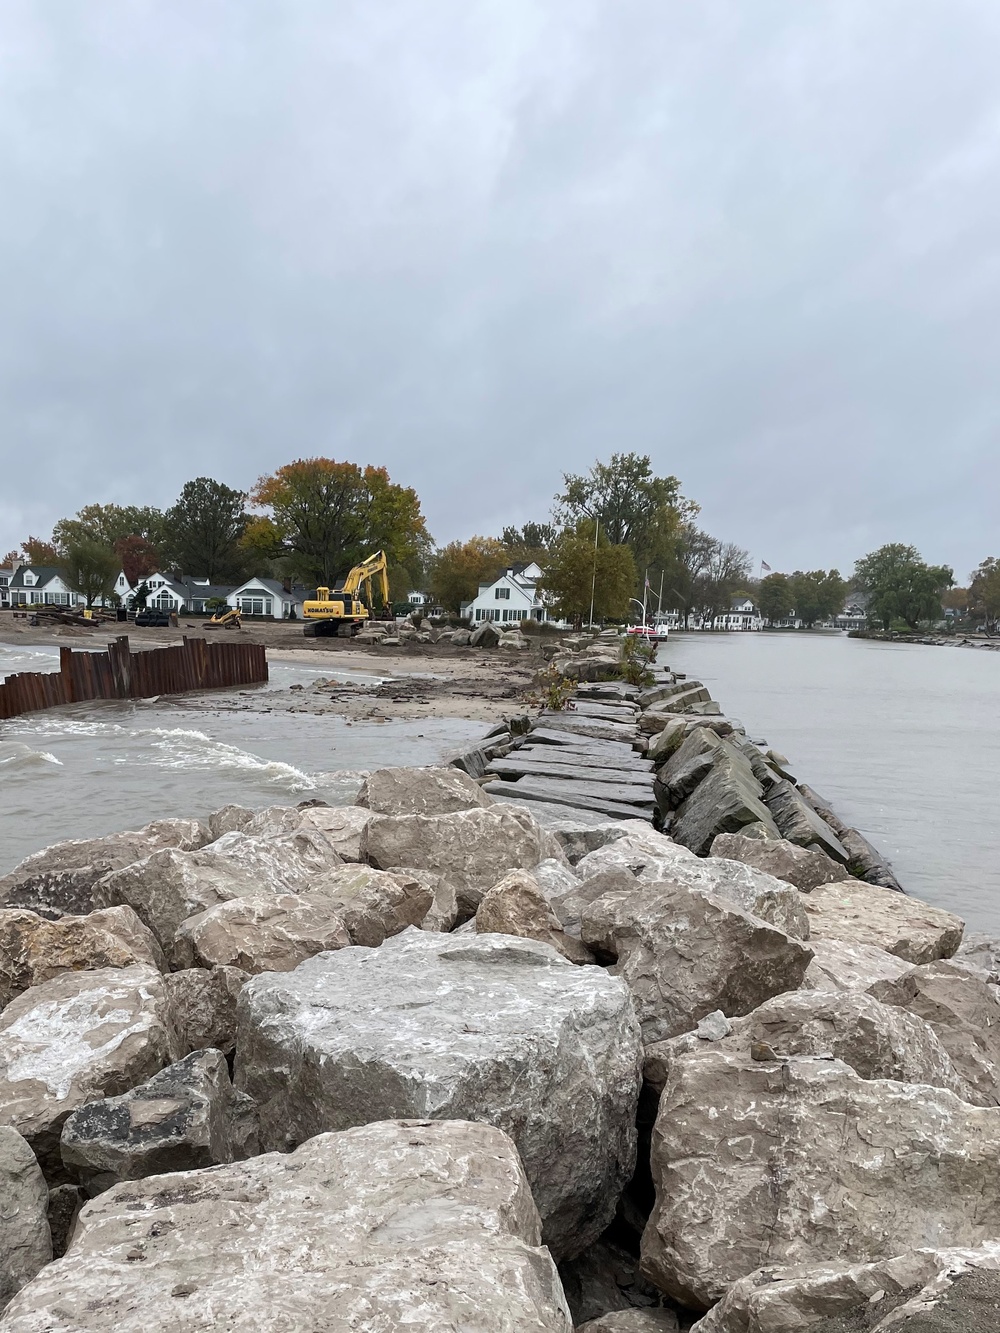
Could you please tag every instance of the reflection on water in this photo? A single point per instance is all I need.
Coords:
(903, 739)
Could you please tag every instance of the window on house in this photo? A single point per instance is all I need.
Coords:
(501, 594)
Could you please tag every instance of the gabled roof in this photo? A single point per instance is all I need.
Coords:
(273, 586)
(44, 574)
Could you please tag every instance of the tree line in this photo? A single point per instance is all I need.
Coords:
(615, 536)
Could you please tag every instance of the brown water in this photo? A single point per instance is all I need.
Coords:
(903, 739)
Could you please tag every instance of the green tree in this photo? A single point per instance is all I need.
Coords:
(774, 598)
(902, 586)
(90, 568)
(817, 595)
(984, 593)
(725, 572)
(575, 573)
(325, 516)
(459, 568)
(634, 507)
(691, 556)
(203, 530)
(108, 524)
(529, 544)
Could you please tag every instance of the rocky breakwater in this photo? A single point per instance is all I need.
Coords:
(444, 1060)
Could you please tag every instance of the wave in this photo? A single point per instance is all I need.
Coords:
(14, 754)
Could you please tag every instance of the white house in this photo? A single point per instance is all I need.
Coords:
(514, 596)
(40, 585)
(5, 577)
(742, 615)
(265, 597)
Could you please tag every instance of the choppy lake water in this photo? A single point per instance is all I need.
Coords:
(903, 739)
(96, 768)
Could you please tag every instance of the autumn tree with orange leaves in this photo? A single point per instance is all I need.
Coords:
(324, 516)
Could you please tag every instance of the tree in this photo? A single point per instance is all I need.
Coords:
(11, 558)
(634, 507)
(530, 544)
(984, 593)
(575, 573)
(108, 524)
(139, 558)
(692, 554)
(727, 567)
(901, 586)
(817, 595)
(326, 516)
(459, 568)
(90, 568)
(774, 598)
(204, 528)
(37, 551)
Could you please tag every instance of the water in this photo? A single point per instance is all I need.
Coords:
(903, 739)
(95, 768)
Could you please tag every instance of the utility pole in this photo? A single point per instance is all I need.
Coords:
(593, 584)
(645, 590)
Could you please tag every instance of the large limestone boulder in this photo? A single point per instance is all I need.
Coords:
(78, 1037)
(759, 894)
(286, 863)
(801, 1160)
(59, 879)
(798, 822)
(876, 1040)
(860, 913)
(421, 791)
(34, 949)
(517, 906)
(168, 887)
(801, 866)
(840, 1297)
(25, 1242)
(186, 1116)
(374, 904)
(342, 825)
(964, 1012)
(637, 848)
(482, 1027)
(270, 934)
(837, 965)
(203, 1007)
(473, 848)
(684, 953)
(426, 1226)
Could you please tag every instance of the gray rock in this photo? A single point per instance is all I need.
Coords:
(420, 791)
(373, 904)
(633, 1321)
(473, 848)
(185, 1117)
(876, 1040)
(270, 934)
(784, 860)
(859, 913)
(25, 1242)
(422, 1226)
(60, 878)
(571, 906)
(801, 1160)
(229, 819)
(841, 1297)
(798, 822)
(486, 635)
(285, 862)
(555, 878)
(78, 1037)
(685, 954)
(713, 1027)
(517, 906)
(639, 849)
(203, 1007)
(443, 913)
(343, 826)
(34, 949)
(838, 965)
(759, 894)
(964, 1012)
(724, 802)
(486, 1026)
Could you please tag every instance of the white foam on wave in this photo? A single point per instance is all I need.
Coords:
(14, 754)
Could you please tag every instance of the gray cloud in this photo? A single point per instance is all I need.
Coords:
(486, 243)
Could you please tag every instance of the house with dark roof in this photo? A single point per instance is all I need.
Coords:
(41, 585)
(267, 597)
(5, 577)
(511, 598)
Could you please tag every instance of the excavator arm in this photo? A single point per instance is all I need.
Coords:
(374, 568)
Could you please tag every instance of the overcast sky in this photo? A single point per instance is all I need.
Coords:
(484, 242)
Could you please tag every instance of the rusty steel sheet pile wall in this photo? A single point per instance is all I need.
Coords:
(118, 673)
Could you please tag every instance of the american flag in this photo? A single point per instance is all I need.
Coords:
(765, 565)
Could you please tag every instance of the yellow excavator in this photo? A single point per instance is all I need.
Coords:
(340, 610)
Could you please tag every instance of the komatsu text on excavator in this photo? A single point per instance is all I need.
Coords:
(341, 610)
